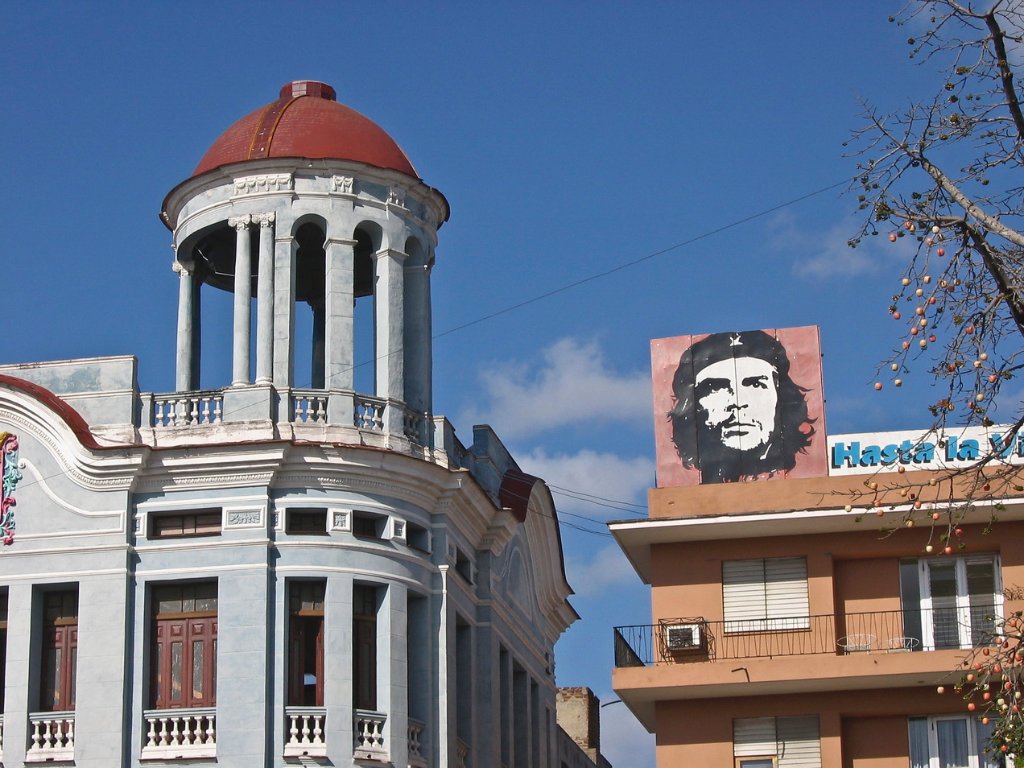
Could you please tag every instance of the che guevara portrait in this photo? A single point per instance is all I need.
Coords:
(738, 406)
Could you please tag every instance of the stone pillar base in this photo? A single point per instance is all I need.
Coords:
(249, 403)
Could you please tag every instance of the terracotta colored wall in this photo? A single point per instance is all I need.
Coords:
(875, 742)
(857, 570)
(858, 729)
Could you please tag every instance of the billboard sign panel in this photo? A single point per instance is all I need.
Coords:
(738, 406)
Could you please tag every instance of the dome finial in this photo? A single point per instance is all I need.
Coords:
(308, 88)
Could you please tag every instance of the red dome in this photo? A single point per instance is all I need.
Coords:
(306, 121)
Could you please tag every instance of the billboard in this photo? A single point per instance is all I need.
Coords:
(738, 406)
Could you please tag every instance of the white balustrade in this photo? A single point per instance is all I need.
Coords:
(180, 733)
(416, 744)
(461, 754)
(368, 728)
(309, 406)
(304, 735)
(1, 739)
(415, 425)
(51, 736)
(369, 413)
(186, 409)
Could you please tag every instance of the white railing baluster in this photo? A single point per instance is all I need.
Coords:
(180, 733)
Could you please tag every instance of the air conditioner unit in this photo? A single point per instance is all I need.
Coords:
(680, 638)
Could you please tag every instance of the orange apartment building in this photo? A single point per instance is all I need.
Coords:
(791, 630)
(775, 609)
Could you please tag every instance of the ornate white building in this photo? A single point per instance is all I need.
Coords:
(278, 572)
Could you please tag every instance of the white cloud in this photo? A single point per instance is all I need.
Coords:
(571, 384)
(824, 254)
(625, 742)
(597, 475)
(605, 569)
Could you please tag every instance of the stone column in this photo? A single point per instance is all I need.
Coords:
(265, 301)
(390, 295)
(416, 343)
(392, 648)
(243, 299)
(339, 336)
(185, 364)
(284, 307)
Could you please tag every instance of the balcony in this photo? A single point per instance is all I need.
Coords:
(175, 734)
(417, 746)
(368, 729)
(51, 737)
(680, 641)
(304, 407)
(304, 732)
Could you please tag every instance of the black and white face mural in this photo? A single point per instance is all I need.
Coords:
(735, 408)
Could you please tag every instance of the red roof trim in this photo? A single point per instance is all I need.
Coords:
(515, 490)
(266, 127)
(69, 415)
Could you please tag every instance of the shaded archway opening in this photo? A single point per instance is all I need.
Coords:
(310, 325)
(364, 313)
(213, 264)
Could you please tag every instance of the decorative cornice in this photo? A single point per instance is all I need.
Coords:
(396, 197)
(264, 182)
(342, 184)
(73, 469)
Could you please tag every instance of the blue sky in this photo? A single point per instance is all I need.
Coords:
(570, 138)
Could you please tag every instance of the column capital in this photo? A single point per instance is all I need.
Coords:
(339, 241)
(240, 222)
(263, 219)
(182, 268)
(397, 255)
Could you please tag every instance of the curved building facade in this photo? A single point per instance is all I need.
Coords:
(268, 571)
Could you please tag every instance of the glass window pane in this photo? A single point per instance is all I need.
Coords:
(176, 671)
(981, 578)
(198, 646)
(952, 743)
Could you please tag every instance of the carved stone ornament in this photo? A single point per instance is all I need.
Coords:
(244, 518)
(10, 471)
(264, 182)
(396, 196)
(263, 219)
(342, 184)
(340, 520)
(240, 222)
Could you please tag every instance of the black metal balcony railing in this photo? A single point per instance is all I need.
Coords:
(675, 641)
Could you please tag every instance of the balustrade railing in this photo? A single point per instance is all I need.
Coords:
(369, 413)
(417, 745)
(308, 406)
(368, 733)
(1, 739)
(461, 754)
(51, 736)
(695, 640)
(304, 732)
(187, 409)
(416, 425)
(180, 733)
(304, 406)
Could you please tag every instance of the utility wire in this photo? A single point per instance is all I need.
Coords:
(577, 284)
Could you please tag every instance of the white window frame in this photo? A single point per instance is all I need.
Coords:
(785, 741)
(973, 747)
(775, 599)
(963, 597)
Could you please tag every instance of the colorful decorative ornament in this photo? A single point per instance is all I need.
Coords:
(11, 474)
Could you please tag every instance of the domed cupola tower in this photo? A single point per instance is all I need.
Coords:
(307, 206)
